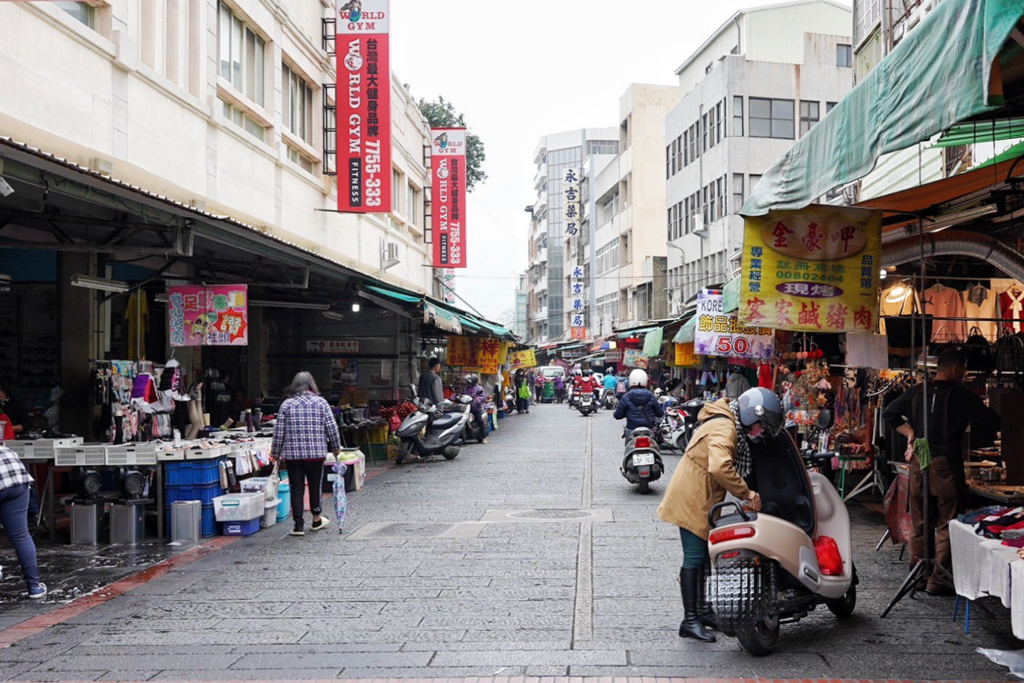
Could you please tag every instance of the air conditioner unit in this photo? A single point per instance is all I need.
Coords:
(392, 250)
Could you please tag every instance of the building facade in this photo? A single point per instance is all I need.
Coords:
(754, 87)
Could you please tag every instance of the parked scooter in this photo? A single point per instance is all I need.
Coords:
(688, 412)
(669, 428)
(475, 429)
(431, 429)
(780, 563)
(642, 461)
(586, 403)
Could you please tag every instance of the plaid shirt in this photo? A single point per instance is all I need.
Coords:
(305, 429)
(12, 471)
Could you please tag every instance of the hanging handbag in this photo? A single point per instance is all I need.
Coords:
(1010, 355)
(978, 352)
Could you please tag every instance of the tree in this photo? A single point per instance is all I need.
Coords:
(442, 114)
(507, 318)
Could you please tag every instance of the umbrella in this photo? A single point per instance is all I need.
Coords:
(340, 499)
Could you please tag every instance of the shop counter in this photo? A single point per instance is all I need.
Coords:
(985, 567)
(1007, 495)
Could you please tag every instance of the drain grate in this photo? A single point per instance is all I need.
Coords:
(407, 530)
(552, 514)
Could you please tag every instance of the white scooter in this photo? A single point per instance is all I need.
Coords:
(778, 564)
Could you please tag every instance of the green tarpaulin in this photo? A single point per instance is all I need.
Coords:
(731, 295)
(982, 131)
(397, 296)
(652, 343)
(936, 77)
(685, 333)
(1011, 153)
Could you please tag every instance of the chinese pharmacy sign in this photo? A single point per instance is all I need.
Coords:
(448, 173)
(813, 270)
(363, 106)
(571, 200)
(577, 317)
(208, 316)
(721, 334)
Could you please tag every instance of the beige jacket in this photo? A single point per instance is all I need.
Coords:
(705, 473)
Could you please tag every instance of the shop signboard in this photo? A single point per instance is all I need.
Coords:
(448, 174)
(614, 355)
(333, 346)
(577, 316)
(571, 203)
(684, 355)
(813, 270)
(573, 355)
(578, 333)
(215, 315)
(488, 352)
(721, 334)
(460, 352)
(524, 359)
(474, 353)
(632, 358)
(363, 106)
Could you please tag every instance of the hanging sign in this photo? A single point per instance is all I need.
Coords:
(363, 106)
(448, 172)
(613, 355)
(721, 334)
(217, 315)
(814, 270)
(488, 352)
(332, 346)
(684, 355)
(577, 316)
(524, 359)
(480, 354)
(571, 200)
(460, 351)
(632, 358)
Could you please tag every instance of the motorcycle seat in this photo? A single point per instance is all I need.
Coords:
(447, 420)
(781, 480)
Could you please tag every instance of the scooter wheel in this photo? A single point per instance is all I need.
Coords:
(843, 607)
(451, 452)
(645, 486)
(404, 450)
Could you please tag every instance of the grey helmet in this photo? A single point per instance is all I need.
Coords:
(472, 379)
(760, 405)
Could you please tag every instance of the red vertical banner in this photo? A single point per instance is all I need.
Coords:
(448, 176)
(364, 106)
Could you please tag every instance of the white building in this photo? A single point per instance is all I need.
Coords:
(762, 80)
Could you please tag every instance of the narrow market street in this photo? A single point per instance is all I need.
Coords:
(487, 566)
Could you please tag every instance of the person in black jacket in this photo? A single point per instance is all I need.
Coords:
(430, 386)
(638, 406)
(949, 410)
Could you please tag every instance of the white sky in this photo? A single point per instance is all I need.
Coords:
(518, 72)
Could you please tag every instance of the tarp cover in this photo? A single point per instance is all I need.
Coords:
(652, 343)
(938, 75)
(686, 332)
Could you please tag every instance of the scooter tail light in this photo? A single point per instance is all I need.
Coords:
(730, 534)
(642, 442)
(830, 562)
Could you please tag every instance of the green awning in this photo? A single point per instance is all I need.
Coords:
(1011, 153)
(982, 131)
(394, 294)
(731, 295)
(652, 343)
(442, 318)
(686, 332)
(635, 333)
(936, 77)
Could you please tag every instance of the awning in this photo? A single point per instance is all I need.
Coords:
(394, 294)
(982, 131)
(441, 318)
(731, 295)
(635, 333)
(940, 74)
(686, 332)
(652, 343)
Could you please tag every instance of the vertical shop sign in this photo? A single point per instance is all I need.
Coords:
(577, 315)
(721, 334)
(217, 315)
(814, 270)
(449, 285)
(488, 351)
(460, 351)
(363, 106)
(571, 201)
(448, 173)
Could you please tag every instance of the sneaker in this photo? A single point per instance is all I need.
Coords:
(297, 531)
(37, 593)
(321, 524)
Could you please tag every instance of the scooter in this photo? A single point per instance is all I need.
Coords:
(475, 429)
(572, 394)
(609, 400)
(688, 413)
(776, 565)
(642, 461)
(586, 403)
(431, 429)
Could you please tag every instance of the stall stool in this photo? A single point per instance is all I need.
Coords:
(967, 612)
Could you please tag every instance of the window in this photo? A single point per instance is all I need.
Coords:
(737, 115)
(686, 148)
(241, 56)
(297, 108)
(703, 123)
(412, 210)
(603, 147)
(704, 206)
(844, 55)
(754, 180)
(304, 163)
(829, 106)
(608, 256)
(771, 118)
(720, 192)
(396, 190)
(737, 192)
(82, 11)
(809, 115)
(718, 121)
(712, 204)
(248, 123)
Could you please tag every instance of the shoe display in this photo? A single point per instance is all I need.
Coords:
(319, 524)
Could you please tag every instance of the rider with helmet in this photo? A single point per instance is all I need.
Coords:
(716, 462)
(638, 406)
(479, 396)
(585, 382)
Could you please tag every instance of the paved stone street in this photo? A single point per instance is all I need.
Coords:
(453, 593)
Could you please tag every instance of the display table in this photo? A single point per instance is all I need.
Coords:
(985, 567)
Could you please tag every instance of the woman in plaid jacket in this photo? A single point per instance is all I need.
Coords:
(305, 432)
(15, 483)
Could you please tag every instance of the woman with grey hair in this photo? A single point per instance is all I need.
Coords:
(304, 433)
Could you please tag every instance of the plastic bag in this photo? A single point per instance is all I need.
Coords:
(273, 483)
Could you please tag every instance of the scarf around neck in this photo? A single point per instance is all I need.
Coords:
(741, 459)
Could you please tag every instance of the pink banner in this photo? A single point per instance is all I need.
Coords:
(217, 315)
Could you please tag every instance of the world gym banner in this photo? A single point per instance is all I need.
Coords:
(448, 173)
(814, 270)
(363, 98)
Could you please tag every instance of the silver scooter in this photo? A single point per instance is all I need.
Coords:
(431, 430)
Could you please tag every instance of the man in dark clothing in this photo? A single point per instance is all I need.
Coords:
(950, 409)
(638, 406)
(429, 385)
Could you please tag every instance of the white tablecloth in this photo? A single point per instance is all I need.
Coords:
(983, 566)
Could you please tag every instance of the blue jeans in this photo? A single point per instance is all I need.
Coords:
(14, 517)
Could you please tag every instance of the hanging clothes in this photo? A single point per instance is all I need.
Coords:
(1011, 309)
(136, 316)
(945, 302)
(979, 304)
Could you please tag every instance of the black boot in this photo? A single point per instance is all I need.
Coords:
(705, 612)
(691, 627)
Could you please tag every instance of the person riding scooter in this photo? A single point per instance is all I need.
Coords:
(638, 406)
(585, 383)
(479, 396)
(609, 383)
(715, 463)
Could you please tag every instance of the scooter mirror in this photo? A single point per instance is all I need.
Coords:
(412, 389)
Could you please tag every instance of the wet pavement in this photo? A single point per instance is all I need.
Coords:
(528, 556)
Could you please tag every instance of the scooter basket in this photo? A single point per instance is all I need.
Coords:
(743, 590)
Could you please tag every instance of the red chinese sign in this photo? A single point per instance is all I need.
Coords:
(208, 316)
(363, 99)
(448, 173)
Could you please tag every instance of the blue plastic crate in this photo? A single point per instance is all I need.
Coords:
(208, 526)
(241, 528)
(204, 493)
(192, 472)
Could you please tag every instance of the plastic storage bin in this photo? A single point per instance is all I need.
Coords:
(239, 507)
(270, 513)
(247, 528)
(284, 508)
(207, 523)
(204, 493)
(186, 473)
